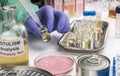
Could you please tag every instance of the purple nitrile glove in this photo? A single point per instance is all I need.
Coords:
(51, 18)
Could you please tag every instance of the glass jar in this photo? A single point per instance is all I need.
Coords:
(71, 8)
(58, 4)
(112, 6)
(13, 40)
(80, 4)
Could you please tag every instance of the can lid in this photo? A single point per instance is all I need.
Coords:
(118, 9)
(93, 62)
(93, 13)
(24, 71)
(85, 13)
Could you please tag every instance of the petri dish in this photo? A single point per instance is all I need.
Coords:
(56, 64)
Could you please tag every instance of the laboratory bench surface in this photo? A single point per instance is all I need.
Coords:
(38, 47)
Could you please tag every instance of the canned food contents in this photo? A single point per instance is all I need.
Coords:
(92, 65)
(24, 71)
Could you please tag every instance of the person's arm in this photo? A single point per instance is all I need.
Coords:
(21, 13)
(52, 19)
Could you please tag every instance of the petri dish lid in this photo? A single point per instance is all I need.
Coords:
(55, 63)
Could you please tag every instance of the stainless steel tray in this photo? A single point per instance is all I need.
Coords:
(63, 40)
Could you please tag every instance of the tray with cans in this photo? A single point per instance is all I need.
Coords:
(85, 36)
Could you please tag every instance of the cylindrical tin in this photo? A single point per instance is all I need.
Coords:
(24, 71)
(92, 65)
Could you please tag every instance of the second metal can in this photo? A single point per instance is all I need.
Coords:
(92, 65)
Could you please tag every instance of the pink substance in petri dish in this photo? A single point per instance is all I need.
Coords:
(55, 64)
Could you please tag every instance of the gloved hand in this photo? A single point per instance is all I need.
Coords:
(51, 18)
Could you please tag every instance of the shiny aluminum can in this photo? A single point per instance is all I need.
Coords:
(92, 65)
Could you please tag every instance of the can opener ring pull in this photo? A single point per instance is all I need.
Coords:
(94, 59)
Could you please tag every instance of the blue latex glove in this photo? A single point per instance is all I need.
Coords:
(51, 18)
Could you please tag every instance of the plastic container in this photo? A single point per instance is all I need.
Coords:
(86, 15)
(55, 63)
(92, 19)
(80, 5)
(89, 5)
(93, 15)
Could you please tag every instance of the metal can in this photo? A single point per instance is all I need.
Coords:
(92, 65)
(24, 71)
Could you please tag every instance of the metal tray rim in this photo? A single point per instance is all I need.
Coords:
(73, 49)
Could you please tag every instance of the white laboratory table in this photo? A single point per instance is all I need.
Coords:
(37, 47)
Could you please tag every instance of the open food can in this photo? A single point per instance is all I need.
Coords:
(24, 71)
(92, 65)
